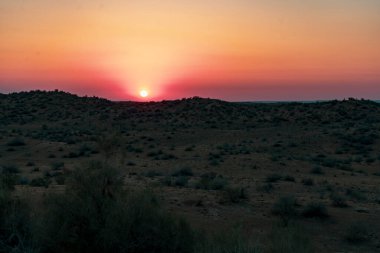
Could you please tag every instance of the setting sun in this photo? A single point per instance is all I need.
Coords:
(143, 93)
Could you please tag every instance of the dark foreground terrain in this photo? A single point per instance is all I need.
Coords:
(85, 174)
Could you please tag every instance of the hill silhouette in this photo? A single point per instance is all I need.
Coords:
(187, 112)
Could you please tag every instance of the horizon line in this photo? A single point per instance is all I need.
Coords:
(190, 97)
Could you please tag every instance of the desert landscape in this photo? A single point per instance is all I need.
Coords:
(188, 175)
(201, 126)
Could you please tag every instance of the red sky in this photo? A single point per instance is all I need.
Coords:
(234, 50)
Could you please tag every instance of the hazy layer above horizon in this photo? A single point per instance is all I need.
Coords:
(233, 50)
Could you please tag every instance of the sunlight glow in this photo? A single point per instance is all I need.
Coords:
(143, 93)
(233, 50)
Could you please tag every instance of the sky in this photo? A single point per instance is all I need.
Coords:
(236, 50)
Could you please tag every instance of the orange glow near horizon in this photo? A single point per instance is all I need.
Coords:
(234, 50)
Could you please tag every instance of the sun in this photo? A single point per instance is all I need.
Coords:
(143, 93)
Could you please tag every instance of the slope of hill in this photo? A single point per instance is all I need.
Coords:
(215, 162)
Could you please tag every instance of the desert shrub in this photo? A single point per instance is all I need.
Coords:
(154, 153)
(317, 170)
(215, 158)
(86, 150)
(190, 148)
(8, 181)
(329, 162)
(159, 155)
(166, 181)
(51, 156)
(109, 145)
(214, 162)
(273, 178)
(236, 194)
(209, 175)
(358, 159)
(183, 172)
(9, 177)
(95, 214)
(338, 200)
(289, 178)
(308, 181)
(130, 163)
(71, 155)
(356, 194)
(230, 241)
(15, 226)
(289, 239)
(30, 164)
(358, 232)
(40, 182)
(345, 167)
(267, 188)
(10, 169)
(211, 181)
(218, 183)
(16, 142)
(370, 160)
(152, 173)
(23, 181)
(57, 165)
(181, 181)
(315, 210)
(167, 157)
(35, 169)
(48, 174)
(285, 208)
(60, 179)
